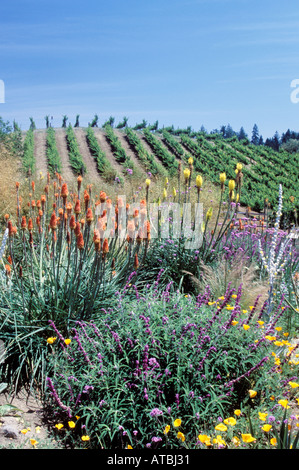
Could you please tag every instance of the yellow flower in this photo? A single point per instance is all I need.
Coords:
(204, 439)
(237, 412)
(71, 424)
(234, 322)
(230, 421)
(222, 178)
(263, 416)
(252, 393)
(186, 174)
(33, 442)
(147, 182)
(246, 327)
(278, 328)
(209, 213)
(260, 322)
(221, 427)
(236, 441)
(59, 425)
(177, 423)
(174, 192)
(51, 340)
(167, 428)
(181, 436)
(229, 307)
(278, 343)
(231, 185)
(85, 438)
(239, 166)
(245, 311)
(129, 447)
(273, 441)
(199, 181)
(248, 438)
(293, 384)
(164, 193)
(190, 161)
(218, 440)
(67, 341)
(266, 427)
(270, 338)
(24, 431)
(283, 403)
(37, 429)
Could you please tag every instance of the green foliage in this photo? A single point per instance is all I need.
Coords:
(103, 164)
(75, 156)
(145, 157)
(54, 160)
(155, 350)
(28, 153)
(118, 150)
(167, 159)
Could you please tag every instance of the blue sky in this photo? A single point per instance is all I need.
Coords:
(181, 62)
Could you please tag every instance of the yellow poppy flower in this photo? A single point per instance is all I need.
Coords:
(234, 322)
(71, 424)
(246, 327)
(129, 447)
(266, 427)
(248, 438)
(283, 403)
(181, 436)
(293, 384)
(33, 442)
(51, 340)
(273, 441)
(67, 341)
(252, 393)
(263, 416)
(177, 423)
(230, 421)
(237, 412)
(59, 425)
(85, 438)
(218, 440)
(236, 441)
(167, 428)
(221, 427)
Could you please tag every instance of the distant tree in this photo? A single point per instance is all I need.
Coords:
(242, 134)
(273, 142)
(64, 121)
(77, 121)
(94, 122)
(261, 140)
(140, 126)
(255, 135)
(122, 123)
(47, 119)
(223, 130)
(291, 146)
(154, 127)
(229, 132)
(16, 127)
(32, 124)
(203, 130)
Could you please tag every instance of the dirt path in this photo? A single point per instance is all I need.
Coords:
(61, 143)
(21, 413)
(90, 162)
(40, 146)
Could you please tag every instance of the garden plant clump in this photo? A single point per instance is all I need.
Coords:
(138, 338)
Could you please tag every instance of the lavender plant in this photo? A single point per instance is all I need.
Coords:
(154, 357)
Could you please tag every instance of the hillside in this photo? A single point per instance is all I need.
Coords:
(108, 155)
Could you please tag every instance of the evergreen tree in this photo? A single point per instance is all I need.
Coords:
(255, 135)
(242, 134)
